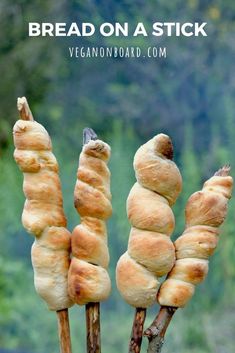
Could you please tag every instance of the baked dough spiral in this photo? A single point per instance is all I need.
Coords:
(150, 253)
(43, 214)
(205, 212)
(88, 277)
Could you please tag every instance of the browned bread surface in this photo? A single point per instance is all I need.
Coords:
(43, 213)
(205, 212)
(150, 253)
(88, 277)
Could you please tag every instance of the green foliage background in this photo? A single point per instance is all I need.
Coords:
(190, 96)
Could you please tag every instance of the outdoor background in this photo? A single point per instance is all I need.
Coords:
(190, 96)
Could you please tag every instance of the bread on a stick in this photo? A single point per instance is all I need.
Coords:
(205, 212)
(150, 253)
(88, 277)
(43, 214)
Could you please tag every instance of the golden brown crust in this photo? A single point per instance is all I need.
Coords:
(89, 247)
(207, 208)
(42, 188)
(43, 214)
(190, 270)
(33, 161)
(150, 250)
(48, 185)
(89, 198)
(88, 277)
(98, 226)
(205, 212)
(220, 185)
(56, 238)
(155, 172)
(51, 260)
(197, 242)
(175, 293)
(154, 251)
(98, 149)
(31, 136)
(137, 285)
(37, 216)
(87, 282)
(152, 212)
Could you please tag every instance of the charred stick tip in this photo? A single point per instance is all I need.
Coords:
(88, 135)
(224, 171)
(24, 110)
(164, 146)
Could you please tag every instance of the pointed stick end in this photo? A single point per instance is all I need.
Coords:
(24, 110)
(88, 135)
(224, 171)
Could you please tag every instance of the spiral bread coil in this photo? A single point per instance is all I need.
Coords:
(150, 253)
(43, 214)
(205, 212)
(88, 277)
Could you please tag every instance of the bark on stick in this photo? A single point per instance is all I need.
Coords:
(157, 329)
(137, 331)
(92, 309)
(64, 331)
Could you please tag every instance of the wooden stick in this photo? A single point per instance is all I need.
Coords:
(88, 135)
(137, 330)
(92, 309)
(224, 171)
(24, 110)
(157, 329)
(93, 327)
(64, 331)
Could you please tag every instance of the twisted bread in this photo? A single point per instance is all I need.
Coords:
(205, 212)
(88, 277)
(150, 253)
(43, 214)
